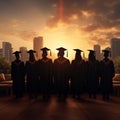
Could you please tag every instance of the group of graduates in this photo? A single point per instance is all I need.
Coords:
(44, 77)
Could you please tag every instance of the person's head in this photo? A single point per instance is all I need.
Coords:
(17, 54)
(91, 55)
(61, 51)
(78, 54)
(31, 55)
(45, 52)
(106, 53)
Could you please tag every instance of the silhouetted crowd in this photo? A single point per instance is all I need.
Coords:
(44, 78)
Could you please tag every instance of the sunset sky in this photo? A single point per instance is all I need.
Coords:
(68, 23)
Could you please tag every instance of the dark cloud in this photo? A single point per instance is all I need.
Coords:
(102, 37)
(27, 35)
(90, 15)
(106, 12)
(90, 28)
(98, 40)
(25, 8)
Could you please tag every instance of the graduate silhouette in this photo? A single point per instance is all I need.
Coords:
(61, 74)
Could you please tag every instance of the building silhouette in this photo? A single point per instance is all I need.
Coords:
(37, 45)
(24, 54)
(97, 52)
(115, 47)
(7, 50)
(1, 52)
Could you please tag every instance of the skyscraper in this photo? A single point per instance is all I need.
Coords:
(1, 52)
(24, 54)
(7, 50)
(37, 45)
(115, 47)
(97, 51)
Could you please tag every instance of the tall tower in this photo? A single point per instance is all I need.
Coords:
(24, 54)
(37, 45)
(1, 52)
(115, 47)
(7, 50)
(97, 51)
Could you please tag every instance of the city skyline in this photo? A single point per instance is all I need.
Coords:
(69, 53)
(7, 51)
(115, 47)
(81, 25)
(37, 45)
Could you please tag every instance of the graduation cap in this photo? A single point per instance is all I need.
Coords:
(79, 51)
(31, 51)
(16, 52)
(91, 51)
(62, 49)
(31, 54)
(106, 52)
(91, 55)
(45, 49)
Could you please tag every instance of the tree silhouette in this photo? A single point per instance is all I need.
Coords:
(4, 66)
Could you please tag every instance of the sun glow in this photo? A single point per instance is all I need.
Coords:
(64, 35)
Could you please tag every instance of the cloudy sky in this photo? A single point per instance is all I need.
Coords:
(68, 23)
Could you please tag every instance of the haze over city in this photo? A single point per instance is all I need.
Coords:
(68, 23)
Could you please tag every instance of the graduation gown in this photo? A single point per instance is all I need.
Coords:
(45, 74)
(77, 76)
(93, 74)
(107, 73)
(17, 75)
(61, 75)
(31, 77)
